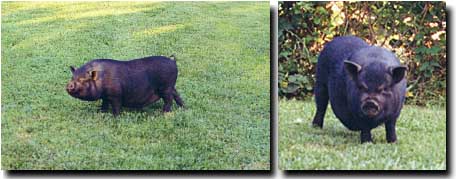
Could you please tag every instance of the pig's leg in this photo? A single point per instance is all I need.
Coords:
(366, 136)
(167, 95)
(390, 126)
(321, 100)
(104, 105)
(177, 98)
(116, 104)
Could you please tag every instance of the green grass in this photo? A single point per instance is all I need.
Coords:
(421, 141)
(222, 52)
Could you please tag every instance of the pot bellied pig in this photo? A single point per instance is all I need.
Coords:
(134, 83)
(365, 84)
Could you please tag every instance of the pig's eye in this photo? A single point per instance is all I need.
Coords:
(380, 89)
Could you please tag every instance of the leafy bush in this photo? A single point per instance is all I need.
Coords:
(415, 31)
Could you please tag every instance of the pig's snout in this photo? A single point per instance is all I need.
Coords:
(370, 108)
(71, 87)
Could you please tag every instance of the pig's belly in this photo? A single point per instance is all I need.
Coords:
(339, 105)
(346, 118)
(138, 101)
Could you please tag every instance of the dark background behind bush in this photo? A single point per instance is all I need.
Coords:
(415, 31)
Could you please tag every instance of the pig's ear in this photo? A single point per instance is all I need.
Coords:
(72, 68)
(93, 75)
(352, 69)
(398, 73)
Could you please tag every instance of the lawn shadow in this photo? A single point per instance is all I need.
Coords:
(448, 110)
(365, 173)
(163, 173)
(86, 110)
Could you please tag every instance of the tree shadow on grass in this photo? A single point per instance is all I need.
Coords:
(95, 29)
(60, 12)
(16, 10)
(334, 135)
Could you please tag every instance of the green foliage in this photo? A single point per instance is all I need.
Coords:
(415, 31)
(222, 51)
(421, 141)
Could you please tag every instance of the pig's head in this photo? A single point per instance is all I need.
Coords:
(374, 83)
(85, 83)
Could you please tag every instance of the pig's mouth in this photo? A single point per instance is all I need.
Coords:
(370, 109)
(77, 93)
(72, 90)
(85, 98)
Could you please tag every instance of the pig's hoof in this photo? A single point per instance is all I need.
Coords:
(316, 125)
(392, 141)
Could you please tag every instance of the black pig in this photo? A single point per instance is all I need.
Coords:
(365, 84)
(134, 83)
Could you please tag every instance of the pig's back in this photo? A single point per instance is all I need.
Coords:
(158, 69)
(336, 51)
(138, 80)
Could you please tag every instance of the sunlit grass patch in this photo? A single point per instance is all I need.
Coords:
(158, 30)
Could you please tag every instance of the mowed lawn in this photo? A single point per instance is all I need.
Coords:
(421, 141)
(222, 52)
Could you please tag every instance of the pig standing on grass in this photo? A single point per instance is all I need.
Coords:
(134, 83)
(365, 84)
